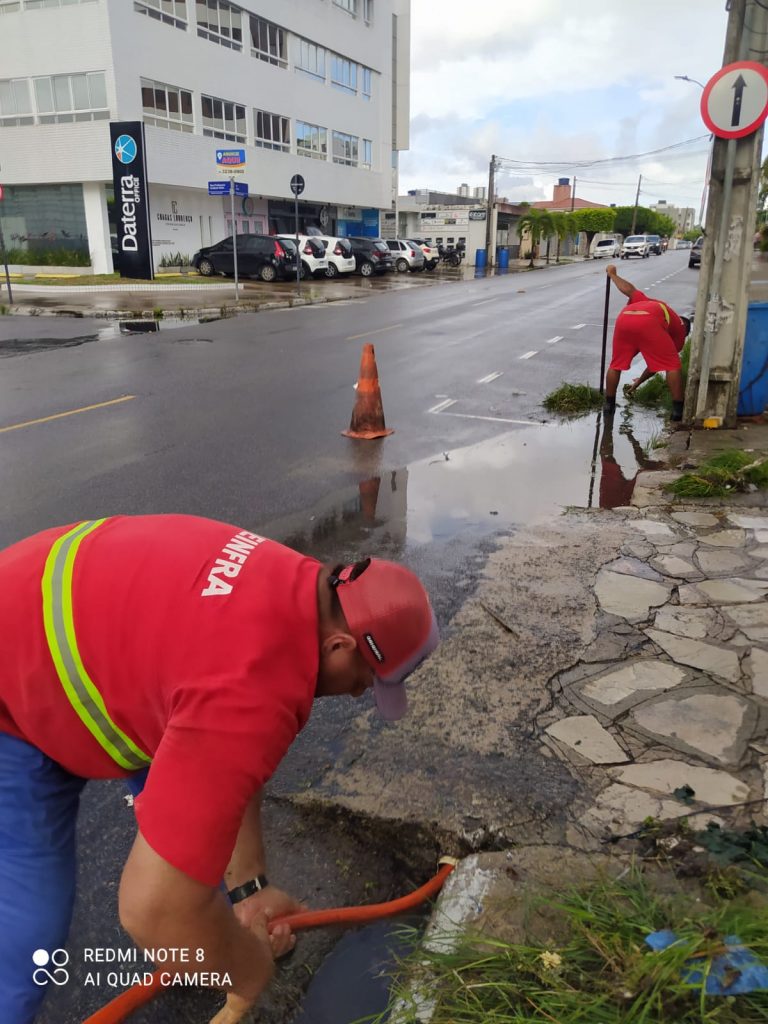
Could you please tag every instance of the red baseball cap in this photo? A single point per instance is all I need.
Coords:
(388, 613)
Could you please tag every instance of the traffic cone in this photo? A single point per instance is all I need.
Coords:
(368, 415)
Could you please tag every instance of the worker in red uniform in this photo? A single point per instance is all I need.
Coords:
(653, 329)
(183, 655)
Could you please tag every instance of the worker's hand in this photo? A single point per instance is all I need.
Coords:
(611, 270)
(270, 903)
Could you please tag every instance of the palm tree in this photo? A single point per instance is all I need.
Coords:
(562, 226)
(531, 223)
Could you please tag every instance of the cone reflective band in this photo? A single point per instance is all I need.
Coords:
(367, 420)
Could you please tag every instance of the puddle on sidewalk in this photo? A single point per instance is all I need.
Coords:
(110, 332)
(485, 488)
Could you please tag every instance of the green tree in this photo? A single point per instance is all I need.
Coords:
(593, 222)
(534, 223)
(665, 225)
(562, 226)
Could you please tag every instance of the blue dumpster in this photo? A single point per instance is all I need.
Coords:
(503, 258)
(480, 258)
(753, 388)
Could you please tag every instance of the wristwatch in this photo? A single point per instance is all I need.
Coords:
(242, 892)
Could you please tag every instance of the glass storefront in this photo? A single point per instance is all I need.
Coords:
(44, 218)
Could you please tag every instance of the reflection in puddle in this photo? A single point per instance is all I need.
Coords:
(479, 490)
(110, 332)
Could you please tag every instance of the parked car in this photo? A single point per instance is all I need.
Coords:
(683, 243)
(407, 255)
(338, 252)
(431, 255)
(694, 260)
(313, 259)
(372, 255)
(654, 241)
(635, 245)
(606, 247)
(257, 256)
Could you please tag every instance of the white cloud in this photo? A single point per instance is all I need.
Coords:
(560, 80)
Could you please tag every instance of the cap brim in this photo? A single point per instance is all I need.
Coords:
(391, 699)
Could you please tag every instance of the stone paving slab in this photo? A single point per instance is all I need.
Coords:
(724, 538)
(623, 687)
(584, 735)
(734, 590)
(709, 658)
(672, 565)
(753, 619)
(710, 785)
(757, 666)
(703, 519)
(695, 623)
(721, 562)
(629, 597)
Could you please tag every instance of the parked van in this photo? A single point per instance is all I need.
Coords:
(606, 247)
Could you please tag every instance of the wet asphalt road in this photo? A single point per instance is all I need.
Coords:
(240, 420)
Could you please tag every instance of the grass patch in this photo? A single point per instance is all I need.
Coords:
(601, 971)
(722, 475)
(573, 400)
(654, 394)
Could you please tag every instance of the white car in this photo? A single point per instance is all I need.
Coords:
(406, 254)
(314, 262)
(338, 252)
(431, 255)
(636, 245)
(606, 247)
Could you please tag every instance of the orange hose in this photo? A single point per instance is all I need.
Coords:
(118, 1009)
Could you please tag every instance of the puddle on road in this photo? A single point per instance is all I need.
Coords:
(110, 332)
(484, 488)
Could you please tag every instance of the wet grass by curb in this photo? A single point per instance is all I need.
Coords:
(726, 473)
(573, 400)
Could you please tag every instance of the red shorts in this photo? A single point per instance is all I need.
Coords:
(641, 332)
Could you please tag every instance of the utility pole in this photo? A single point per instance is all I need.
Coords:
(717, 344)
(573, 205)
(637, 200)
(490, 230)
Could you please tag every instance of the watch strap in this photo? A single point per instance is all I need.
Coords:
(242, 892)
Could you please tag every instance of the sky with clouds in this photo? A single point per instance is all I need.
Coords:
(560, 81)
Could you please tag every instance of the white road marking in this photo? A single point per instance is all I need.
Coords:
(554, 341)
(368, 334)
(529, 355)
(577, 327)
(443, 405)
(491, 376)
(491, 419)
(482, 302)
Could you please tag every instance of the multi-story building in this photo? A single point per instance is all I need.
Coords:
(316, 87)
(683, 216)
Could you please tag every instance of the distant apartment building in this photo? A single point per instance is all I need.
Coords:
(683, 216)
(312, 87)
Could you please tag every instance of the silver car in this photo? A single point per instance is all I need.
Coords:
(406, 254)
(636, 245)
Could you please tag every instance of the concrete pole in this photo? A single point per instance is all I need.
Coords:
(490, 235)
(717, 345)
(637, 200)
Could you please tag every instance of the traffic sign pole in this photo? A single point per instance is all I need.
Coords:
(234, 233)
(297, 187)
(5, 257)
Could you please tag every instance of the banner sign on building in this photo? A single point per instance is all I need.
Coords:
(129, 176)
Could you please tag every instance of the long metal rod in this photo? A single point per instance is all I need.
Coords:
(234, 232)
(5, 264)
(298, 253)
(605, 332)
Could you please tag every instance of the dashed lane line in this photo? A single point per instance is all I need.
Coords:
(368, 334)
(554, 341)
(529, 355)
(441, 406)
(490, 419)
(490, 377)
(577, 327)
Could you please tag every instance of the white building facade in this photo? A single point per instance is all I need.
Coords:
(312, 87)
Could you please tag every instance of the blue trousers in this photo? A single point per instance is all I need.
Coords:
(38, 811)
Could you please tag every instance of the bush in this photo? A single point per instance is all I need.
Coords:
(176, 259)
(48, 257)
(722, 475)
(655, 393)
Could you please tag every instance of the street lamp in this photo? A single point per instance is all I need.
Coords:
(686, 78)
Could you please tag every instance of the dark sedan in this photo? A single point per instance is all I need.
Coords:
(372, 256)
(694, 259)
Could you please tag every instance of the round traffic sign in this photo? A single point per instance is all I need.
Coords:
(297, 184)
(735, 100)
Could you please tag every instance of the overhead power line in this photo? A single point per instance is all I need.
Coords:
(521, 165)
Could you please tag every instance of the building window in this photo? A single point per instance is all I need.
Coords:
(311, 140)
(11, 7)
(367, 77)
(32, 5)
(367, 161)
(166, 106)
(65, 98)
(350, 6)
(220, 22)
(368, 11)
(343, 73)
(311, 59)
(345, 149)
(268, 42)
(272, 131)
(223, 119)
(170, 12)
(15, 103)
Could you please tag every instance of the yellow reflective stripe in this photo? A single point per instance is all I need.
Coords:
(58, 619)
(665, 311)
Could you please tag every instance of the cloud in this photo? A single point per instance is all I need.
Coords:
(557, 81)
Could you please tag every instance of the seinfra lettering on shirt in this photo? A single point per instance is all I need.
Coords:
(228, 565)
